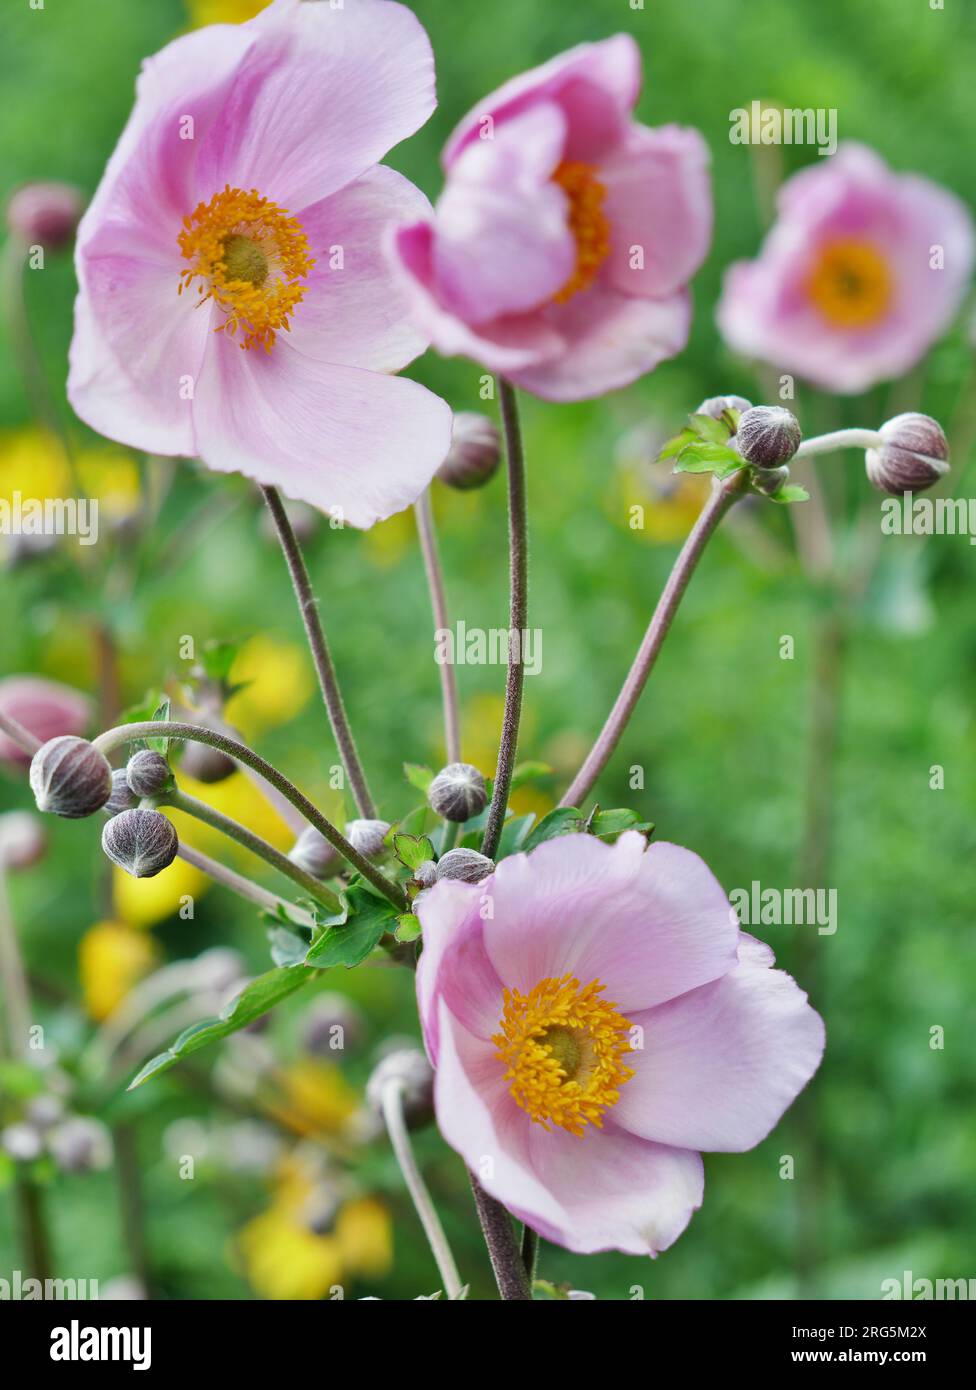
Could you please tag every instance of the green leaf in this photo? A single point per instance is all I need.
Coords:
(287, 947)
(709, 458)
(161, 713)
(607, 825)
(349, 942)
(674, 446)
(412, 850)
(529, 772)
(564, 820)
(791, 492)
(418, 776)
(514, 834)
(254, 1000)
(408, 927)
(708, 428)
(218, 656)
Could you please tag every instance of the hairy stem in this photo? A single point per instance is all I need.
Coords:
(158, 728)
(722, 496)
(424, 512)
(392, 1106)
(328, 682)
(180, 801)
(243, 887)
(518, 619)
(503, 1248)
(839, 439)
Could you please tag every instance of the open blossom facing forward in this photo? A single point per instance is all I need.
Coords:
(862, 272)
(596, 1025)
(566, 234)
(234, 299)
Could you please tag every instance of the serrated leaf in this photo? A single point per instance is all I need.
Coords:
(709, 458)
(674, 446)
(708, 428)
(564, 820)
(418, 776)
(412, 850)
(529, 772)
(349, 943)
(607, 825)
(408, 927)
(792, 492)
(160, 714)
(254, 1000)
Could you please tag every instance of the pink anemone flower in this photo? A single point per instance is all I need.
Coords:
(862, 272)
(235, 303)
(44, 708)
(562, 245)
(596, 1018)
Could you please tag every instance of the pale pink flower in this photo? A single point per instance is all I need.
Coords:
(44, 708)
(562, 245)
(862, 272)
(596, 1017)
(235, 302)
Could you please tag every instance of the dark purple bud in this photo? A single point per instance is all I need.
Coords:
(426, 873)
(147, 773)
(368, 836)
(123, 798)
(474, 453)
(913, 455)
(768, 436)
(458, 792)
(45, 213)
(313, 853)
(70, 777)
(141, 842)
(469, 865)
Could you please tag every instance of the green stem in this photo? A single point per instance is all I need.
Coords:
(158, 728)
(243, 887)
(181, 801)
(518, 619)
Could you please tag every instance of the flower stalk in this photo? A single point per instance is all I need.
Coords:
(511, 1275)
(424, 512)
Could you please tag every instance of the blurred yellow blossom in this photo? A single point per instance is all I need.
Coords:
(112, 957)
(33, 463)
(481, 725)
(279, 682)
(646, 497)
(317, 1098)
(388, 540)
(144, 901)
(223, 11)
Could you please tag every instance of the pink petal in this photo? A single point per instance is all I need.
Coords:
(721, 1064)
(358, 444)
(596, 84)
(322, 96)
(659, 198)
(649, 923)
(358, 315)
(609, 340)
(454, 964)
(45, 708)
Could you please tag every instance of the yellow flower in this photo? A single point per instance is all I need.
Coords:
(317, 1098)
(387, 541)
(142, 902)
(33, 463)
(365, 1235)
(112, 957)
(280, 681)
(481, 727)
(223, 11)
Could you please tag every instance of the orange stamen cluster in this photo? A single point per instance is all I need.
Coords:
(250, 256)
(587, 222)
(851, 283)
(563, 1048)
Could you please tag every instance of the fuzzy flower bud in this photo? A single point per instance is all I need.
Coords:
(772, 479)
(123, 798)
(45, 213)
(313, 853)
(768, 436)
(367, 836)
(410, 1070)
(716, 405)
(70, 777)
(141, 842)
(474, 453)
(913, 455)
(201, 760)
(469, 865)
(426, 873)
(458, 792)
(22, 839)
(147, 773)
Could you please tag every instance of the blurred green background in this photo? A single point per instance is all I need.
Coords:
(883, 1142)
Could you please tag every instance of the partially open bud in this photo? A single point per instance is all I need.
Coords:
(70, 777)
(367, 836)
(123, 798)
(458, 792)
(313, 853)
(469, 865)
(147, 773)
(914, 454)
(22, 839)
(410, 1070)
(141, 842)
(716, 405)
(474, 453)
(768, 436)
(45, 213)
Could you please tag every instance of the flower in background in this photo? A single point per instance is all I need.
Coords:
(275, 680)
(45, 708)
(862, 272)
(234, 300)
(668, 502)
(223, 11)
(112, 957)
(601, 1025)
(562, 245)
(142, 902)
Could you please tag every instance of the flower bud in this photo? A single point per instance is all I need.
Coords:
(202, 761)
(768, 436)
(458, 792)
(22, 839)
(716, 405)
(80, 1145)
(469, 865)
(70, 777)
(45, 213)
(147, 773)
(141, 842)
(426, 873)
(123, 798)
(410, 1070)
(772, 479)
(913, 455)
(474, 453)
(313, 853)
(331, 1024)
(367, 836)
